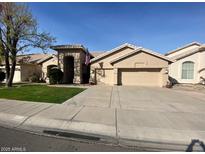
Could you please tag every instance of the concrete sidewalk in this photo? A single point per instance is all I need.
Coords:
(153, 118)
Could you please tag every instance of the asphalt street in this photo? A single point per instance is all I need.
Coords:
(17, 140)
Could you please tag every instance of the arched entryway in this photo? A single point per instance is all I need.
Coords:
(68, 69)
(85, 73)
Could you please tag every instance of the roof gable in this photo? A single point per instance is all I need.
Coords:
(183, 47)
(113, 51)
(140, 49)
(189, 52)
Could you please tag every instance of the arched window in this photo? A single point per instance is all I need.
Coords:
(188, 70)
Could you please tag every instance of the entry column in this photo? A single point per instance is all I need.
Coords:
(115, 80)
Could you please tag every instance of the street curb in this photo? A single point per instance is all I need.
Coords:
(148, 145)
(104, 131)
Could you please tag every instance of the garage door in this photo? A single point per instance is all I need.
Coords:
(17, 76)
(140, 77)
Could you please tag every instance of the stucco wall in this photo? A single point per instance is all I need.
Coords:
(175, 69)
(78, 57)
(141, 60)
(27, 70)
(202, 65)
(105, 76)
(108, 69)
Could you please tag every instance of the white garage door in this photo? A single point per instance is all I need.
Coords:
(140, 77)
(17, 76)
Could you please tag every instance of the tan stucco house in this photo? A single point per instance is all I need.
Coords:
(128, 64)
(189, 64)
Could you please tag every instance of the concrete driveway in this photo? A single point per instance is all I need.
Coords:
(143, 113)
(140, 98)
(137, 116)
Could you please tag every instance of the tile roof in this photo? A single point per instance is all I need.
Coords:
(32, 58)
(183, 47)
(136, 49)
(96, 53)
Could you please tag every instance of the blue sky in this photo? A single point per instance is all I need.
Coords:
(103, 26)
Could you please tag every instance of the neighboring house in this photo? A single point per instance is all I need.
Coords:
(50, 60)
(189, 63)
(130, 65)
(32, 64)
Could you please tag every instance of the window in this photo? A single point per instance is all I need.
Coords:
(188, 70)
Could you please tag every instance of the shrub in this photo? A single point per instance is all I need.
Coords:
(2, 76)
(42, 81)
(49, 67)
(55, 76)
(34, 78)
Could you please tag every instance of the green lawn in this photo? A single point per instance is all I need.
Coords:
(39, 93)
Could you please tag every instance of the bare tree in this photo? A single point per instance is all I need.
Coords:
(18, 31)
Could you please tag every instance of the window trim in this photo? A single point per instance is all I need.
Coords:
(189, 70)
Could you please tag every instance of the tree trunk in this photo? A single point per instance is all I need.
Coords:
(5, 52)
(7, 65)
(9, 82)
